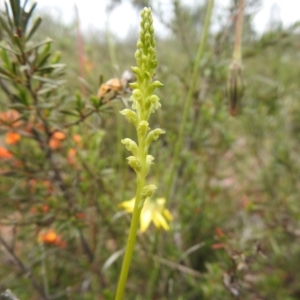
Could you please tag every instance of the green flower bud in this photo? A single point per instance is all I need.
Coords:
(153, 64)
(235, 86)
(134, 85)
(136, 70)
(143, 127)
(154, 102)
(139, 44)
(149, 163)
(153, 135)
(148, 191)
(131, 146)
(154, 85)
(136, 98)
(134, 163)
(146, 43)
(130, 115)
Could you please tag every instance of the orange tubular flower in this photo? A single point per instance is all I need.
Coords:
(45, 208)
(4, 153)
(77, 139)
(59, 135)
(56, 139)
(10, 118)
(12, 138)
(72, 156)
(48, 237)
(51, 237)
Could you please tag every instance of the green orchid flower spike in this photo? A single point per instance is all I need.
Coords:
(144, 103)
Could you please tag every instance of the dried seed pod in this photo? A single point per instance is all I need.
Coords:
(114, 85)
(235, 86)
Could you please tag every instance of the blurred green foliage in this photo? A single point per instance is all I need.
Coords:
(236, 230)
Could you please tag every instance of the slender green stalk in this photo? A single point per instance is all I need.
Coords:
(189, 99)
(144, 103)
(134, 222)
(237, 53)
(130, 246)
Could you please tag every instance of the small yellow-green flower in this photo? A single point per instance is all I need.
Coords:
(153, 210)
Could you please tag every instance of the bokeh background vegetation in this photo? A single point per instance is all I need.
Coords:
(236, 230)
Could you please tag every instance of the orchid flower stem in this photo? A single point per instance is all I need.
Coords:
(134, 223)
(129, 246)
(188, 101)
(145, 102)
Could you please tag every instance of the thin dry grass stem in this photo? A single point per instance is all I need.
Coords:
(80, 50)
